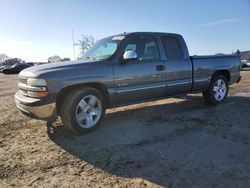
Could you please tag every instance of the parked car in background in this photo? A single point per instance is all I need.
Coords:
(4, 67)
(120, 70)
(245, 64)
(31, 64)
(35, 63)
(16, 68)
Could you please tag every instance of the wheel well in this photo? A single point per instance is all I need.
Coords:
(225, 73)
(100, 87)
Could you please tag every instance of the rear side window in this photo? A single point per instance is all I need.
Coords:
(172, 48)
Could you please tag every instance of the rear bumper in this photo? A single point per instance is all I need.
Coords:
(35, 108)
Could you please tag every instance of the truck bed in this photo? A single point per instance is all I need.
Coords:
(205, 66)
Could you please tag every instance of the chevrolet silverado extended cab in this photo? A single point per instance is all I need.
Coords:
(119, 70)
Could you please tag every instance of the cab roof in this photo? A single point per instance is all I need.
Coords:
(152, 33)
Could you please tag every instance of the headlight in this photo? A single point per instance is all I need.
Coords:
(35, 87)
(36, 82)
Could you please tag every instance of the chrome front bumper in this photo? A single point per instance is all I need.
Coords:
(45, 112)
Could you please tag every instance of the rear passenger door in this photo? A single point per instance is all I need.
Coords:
(178, 67)
(141, 79)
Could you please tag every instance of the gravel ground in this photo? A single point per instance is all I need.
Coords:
(177, 142)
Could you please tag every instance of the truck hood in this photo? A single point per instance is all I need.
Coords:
(39, 70)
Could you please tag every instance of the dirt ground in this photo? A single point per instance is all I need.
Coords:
(179, 142)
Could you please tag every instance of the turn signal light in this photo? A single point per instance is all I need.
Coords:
(37, 94)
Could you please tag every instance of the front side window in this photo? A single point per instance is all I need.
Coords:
(103, 49)
(172, 48)
(145, 47)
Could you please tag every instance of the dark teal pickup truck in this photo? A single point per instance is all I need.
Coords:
(119, 70)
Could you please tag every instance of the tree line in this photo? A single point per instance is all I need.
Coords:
(84, 44)
(6, 60)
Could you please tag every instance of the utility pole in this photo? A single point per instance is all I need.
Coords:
(73, 41)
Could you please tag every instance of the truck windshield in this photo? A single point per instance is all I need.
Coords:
(104, 48)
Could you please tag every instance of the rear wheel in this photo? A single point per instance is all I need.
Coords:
(82, 110)
(217, 91)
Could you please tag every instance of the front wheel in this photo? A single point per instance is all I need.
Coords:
(82, 110)
(217, 91)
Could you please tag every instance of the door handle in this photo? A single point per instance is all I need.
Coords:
(160, 67)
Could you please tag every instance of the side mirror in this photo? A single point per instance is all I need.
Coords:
(129, 55)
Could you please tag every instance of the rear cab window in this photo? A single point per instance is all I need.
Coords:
(172, 47)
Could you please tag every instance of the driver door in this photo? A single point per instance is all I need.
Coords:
(143, 78)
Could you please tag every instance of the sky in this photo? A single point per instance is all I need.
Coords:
(34, 30)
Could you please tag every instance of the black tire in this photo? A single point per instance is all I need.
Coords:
(5, 72)
(209, 95)
(70, 104)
